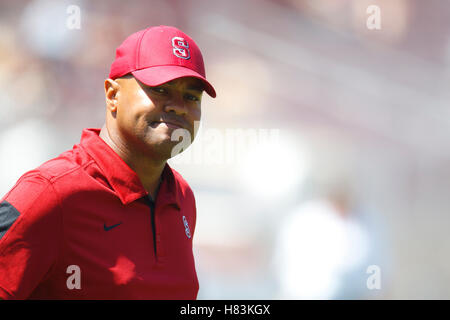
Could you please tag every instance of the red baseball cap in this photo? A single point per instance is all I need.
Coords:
(160, 54)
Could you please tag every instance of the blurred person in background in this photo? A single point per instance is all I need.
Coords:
(110, 219)
(324, 248)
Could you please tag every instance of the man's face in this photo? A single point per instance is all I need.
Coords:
(146, 117)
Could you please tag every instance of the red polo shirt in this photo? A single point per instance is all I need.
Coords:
(81, 226)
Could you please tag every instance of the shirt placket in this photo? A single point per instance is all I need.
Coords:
(156, 230)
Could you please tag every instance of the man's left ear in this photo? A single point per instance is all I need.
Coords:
(111, 94)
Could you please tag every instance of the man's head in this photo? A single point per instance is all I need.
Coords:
(145, 117)
(155, 87)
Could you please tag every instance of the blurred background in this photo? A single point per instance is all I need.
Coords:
(321, 170)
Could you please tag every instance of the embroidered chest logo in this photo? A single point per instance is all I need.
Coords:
(107, 228)
(180, 48)
(186, 227)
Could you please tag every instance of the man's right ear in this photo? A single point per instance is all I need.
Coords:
(111, 94)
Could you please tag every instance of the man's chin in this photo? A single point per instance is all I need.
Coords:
(166, 149)
(175, 143)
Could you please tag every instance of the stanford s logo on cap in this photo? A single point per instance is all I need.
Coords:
(183, 53)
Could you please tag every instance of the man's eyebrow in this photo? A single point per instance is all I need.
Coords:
(194, 87)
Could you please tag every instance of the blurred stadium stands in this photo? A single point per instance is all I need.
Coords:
(365, 113)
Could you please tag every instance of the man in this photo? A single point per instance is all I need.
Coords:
(110, 219)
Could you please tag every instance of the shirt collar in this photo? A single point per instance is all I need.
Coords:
(121, 177)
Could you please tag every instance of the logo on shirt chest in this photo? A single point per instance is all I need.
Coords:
(107, 228)
(186, 227)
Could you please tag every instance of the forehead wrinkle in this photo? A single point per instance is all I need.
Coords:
(196, 86)
(197, 90)
(193, 83)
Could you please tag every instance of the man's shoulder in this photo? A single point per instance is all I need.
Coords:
(65, 163)
(52, 176)
(58, 167)
(37, 185)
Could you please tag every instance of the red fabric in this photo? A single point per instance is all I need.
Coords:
(64, 207)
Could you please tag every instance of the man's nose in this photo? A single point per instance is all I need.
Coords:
(176, 104)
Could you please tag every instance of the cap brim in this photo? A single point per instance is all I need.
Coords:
(155, 76)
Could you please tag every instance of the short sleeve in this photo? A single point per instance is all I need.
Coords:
(30, 232)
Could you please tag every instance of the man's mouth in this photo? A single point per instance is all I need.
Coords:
(169, 124)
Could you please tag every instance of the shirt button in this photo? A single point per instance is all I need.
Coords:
(158, 238)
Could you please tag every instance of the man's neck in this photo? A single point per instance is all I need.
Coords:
(148, 170)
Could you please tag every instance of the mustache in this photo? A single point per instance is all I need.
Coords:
(179, 121)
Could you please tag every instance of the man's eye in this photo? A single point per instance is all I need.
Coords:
(192, 97)
(158, 90)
